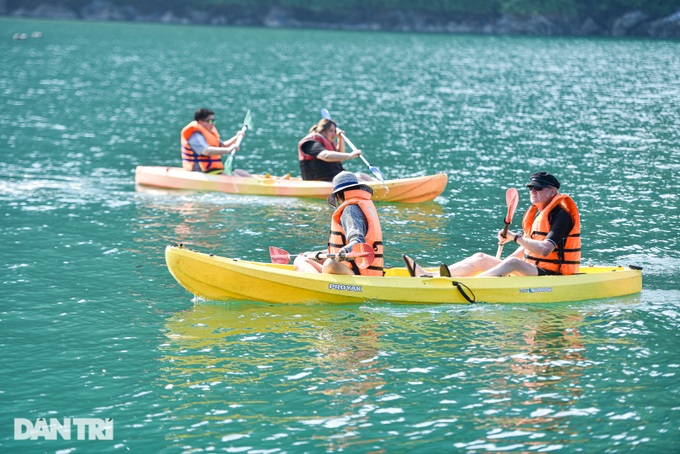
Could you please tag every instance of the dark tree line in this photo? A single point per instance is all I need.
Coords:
(597, 9)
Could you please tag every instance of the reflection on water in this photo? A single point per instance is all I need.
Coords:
(503, 376)
(540, 383)
(316, 356)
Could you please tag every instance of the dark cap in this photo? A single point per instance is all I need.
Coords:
(543, 180)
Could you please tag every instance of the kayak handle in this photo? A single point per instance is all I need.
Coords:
(464, 289)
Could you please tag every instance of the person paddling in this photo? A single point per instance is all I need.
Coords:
(202, 148)
(354, 221)
(550, 242)
(322, 151)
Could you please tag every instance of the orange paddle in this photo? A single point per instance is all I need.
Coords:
(511, 200)
(362, 254)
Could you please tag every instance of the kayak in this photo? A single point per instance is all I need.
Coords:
(225, 279)
(407, 190)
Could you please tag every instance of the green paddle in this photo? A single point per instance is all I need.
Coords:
(247, 124)
(374, 170)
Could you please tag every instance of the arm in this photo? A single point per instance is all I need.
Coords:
(226, 148)
(217, 151)
(337, 156)
(536, 247)
(198, 143)
(318, 151)
(560, 226)
(354, 223)
(341, 142)
(234, 140)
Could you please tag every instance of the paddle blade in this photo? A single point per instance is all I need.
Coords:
(326, 114)
(248, 121)
(377, 173)
(279, 255)
(511, 200)
(362, 254)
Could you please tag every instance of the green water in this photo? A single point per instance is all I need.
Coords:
(93, 326)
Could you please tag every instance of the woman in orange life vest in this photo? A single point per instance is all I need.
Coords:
(202, 148)
(550, 242)
(322, 151)
(354, 221)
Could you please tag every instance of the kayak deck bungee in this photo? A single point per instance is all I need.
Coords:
(223, 279)
(406, 190)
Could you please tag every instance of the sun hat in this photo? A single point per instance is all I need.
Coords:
(543, 180)
(343, 181)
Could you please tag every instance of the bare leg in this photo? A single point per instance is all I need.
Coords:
(473, 265)
(512, 265)
(305, 265)
(331, 266)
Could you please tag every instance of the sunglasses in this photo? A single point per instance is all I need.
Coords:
(534, 188)
(211, 121)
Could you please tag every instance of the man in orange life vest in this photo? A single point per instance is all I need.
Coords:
(202, 148)
(354, 221)
(550, 242)
(322, 151)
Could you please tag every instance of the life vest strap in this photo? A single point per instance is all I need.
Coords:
(557, 262)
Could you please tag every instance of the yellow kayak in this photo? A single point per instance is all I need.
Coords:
(225, 279)
(407, 190)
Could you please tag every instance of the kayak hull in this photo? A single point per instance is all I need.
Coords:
(405, 190)
(225, 279)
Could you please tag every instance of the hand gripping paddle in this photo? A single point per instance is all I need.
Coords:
(362, 254)
(374, 170)
(247, 124)
(511, 200)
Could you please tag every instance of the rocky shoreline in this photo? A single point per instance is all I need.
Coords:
(632, 24)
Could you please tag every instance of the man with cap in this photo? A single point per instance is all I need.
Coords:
(550, 242)
(354, 221)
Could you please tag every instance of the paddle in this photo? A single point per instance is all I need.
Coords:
(511, 200)
(374, 170)
(247, 124)
(362, 254)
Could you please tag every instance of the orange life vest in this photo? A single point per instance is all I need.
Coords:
(193, 161)
(373, 236)
(327, 144)
(566, 257)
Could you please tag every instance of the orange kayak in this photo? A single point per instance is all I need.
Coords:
(406, 190)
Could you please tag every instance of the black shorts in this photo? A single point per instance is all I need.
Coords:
(543, 272)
